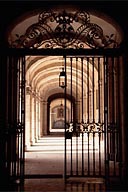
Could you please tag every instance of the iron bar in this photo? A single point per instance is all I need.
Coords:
(93, 91)
(77, 118)
(76, 90)
(65, 92)
(23, 152)
(15, 115)
(77, 157)
(112, 121)
(57, 51)
(18, 116)
(82, 91)
(71, 118)
(21, 120)
(88, 88)
(99, 134)
(71, 162)
(106, 147)
(89, 187)
(88, 155)
(71, 92)
(10, 117)
(18, 163)
(119, 150)
(94, 187)
(82, 152)
(83, 187)
(100, 187)
(99, 81)
(82, 120)
(113, 90)
(93, 153)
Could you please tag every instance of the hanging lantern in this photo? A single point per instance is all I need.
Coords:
(62, 80)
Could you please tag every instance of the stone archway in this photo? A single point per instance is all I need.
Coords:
(61, 28)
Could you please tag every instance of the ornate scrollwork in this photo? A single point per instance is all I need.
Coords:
(59, 29)
(112, 127)
(92, 127)
(19, 128)
(85, 127)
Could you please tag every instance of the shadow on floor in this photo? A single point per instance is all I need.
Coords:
(44, 169)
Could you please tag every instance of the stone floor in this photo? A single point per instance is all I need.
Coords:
(44, 169)
(57, 185)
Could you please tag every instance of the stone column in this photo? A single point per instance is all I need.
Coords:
(27, 117)
(85, 107)
(37, 117)
(80, 108)
(41, 118)
(32, 138)
(35, 114)
(44, 117)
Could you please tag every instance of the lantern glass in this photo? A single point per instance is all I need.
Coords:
(62, 77)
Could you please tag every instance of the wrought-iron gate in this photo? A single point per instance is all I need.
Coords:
(93, 130)
(15, 121)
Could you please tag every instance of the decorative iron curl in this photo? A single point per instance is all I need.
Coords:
(64, 34)
(82, 17)
(85, 127)
(46, 16)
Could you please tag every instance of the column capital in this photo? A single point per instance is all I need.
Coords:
(44, 102)
(28, 89)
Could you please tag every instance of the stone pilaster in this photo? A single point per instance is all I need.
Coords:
(44, 118)
(28, 117)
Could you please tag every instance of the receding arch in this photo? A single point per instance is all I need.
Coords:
(60, 96)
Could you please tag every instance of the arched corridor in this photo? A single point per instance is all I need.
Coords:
(83, 145)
